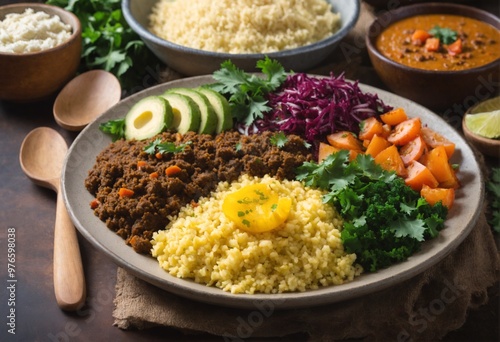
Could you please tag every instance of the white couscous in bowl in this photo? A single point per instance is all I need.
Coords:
(40, 49)
(202, 60)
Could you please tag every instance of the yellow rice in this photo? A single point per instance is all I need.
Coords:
(243, 26)
(305, 253)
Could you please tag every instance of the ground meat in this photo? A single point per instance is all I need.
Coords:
(205, 161)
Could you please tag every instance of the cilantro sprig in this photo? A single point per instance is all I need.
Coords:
(157, 146)
(445, 35)
(385, 221)
(278, 139)
(247, 92)
(115, 128)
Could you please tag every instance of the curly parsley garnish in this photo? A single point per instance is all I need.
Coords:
(385, 221)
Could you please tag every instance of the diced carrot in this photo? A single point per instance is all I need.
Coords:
(390, 160)
(154, 174)
(437, 162)
(344, 140)
(455, 48)
(394, 117)
(325, 150)
(94, 203)
(418, 175)
(377, 145)
(453, 183)
(432, 44)
(369, 127)
(366, 143)
(158, 155)
(172, 170)
(419, 37)
(433, 196)
(124, 192)
(413, 150)
(353, 154)
(405, 132)
(141, 164)
(434, 139)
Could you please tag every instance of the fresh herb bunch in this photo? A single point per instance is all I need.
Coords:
(493, 192)
(385, 220)
(247, 92)
(445, 35)
(108, 41)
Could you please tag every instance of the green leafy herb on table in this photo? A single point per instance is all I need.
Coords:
(385, 220)
(157, 146)
(445, 35)
(108, 41)
(493, 192)
(246, 92)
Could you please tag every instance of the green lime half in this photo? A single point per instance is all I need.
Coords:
(486, 106)
(486, 124)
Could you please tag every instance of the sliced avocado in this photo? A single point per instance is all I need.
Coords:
(148, 117)
(221, 108)
(208, 118)
(185, 111)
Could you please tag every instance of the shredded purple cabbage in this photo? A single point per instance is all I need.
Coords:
(314, 107)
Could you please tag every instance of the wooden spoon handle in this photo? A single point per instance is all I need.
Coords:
(69, 281)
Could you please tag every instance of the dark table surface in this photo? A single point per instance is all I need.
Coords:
(30, 211)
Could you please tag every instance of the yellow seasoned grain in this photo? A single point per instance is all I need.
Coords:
(243, 26)
(304, 253)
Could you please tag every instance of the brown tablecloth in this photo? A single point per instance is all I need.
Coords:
(424, 308)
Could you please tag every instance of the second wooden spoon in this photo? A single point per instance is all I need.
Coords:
(86, 97)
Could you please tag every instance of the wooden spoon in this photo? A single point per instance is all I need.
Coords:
(42, 155)
(85, 98)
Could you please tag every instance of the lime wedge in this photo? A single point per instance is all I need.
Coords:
(485, 124)
(486, 106)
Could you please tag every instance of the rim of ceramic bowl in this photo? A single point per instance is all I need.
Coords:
(63, 14)
(429, 8)
(143, 32)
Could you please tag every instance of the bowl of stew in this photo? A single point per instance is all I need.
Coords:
(441, 55)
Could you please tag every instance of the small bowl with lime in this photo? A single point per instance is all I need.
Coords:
(481, 126)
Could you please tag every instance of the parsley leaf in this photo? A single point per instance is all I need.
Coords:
(445, 35)
(385, 221)
(279, 139)
(157, 146)
(115, 128)
(247, 92)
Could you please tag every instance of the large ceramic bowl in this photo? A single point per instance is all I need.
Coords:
(438, 90)
(191, 62)
(34, 76)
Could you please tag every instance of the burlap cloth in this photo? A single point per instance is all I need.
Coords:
(424, 308)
